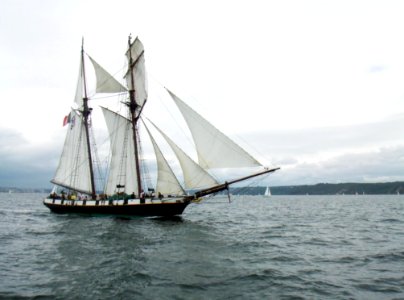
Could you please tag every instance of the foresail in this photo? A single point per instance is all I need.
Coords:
(167, 182)
(215, 150)
(106, 83)
(73, 171)
(194, 175)
(122, 170)
(136, 76)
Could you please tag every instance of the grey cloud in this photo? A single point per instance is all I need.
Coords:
(25, 165)
(283, 145)
(284, 161)
(386, 164)
(360, 153)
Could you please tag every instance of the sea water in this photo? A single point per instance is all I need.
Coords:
(281, 247)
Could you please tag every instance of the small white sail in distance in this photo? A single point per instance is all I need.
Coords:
(267, 192)
(215, 150)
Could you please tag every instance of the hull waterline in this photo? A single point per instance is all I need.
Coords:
(117, 208)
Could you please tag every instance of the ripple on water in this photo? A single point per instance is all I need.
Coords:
(279, 248)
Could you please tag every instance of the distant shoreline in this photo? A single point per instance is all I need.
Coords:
(382, 188)
(10, 190)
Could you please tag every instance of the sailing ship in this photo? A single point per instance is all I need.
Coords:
(267, 192)
(127, 190)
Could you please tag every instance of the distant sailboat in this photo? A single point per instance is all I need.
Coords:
(267, 192)
(128, 189)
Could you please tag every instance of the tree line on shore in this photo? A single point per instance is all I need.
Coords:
(384, 188)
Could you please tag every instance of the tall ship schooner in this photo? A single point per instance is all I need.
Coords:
(126, 189)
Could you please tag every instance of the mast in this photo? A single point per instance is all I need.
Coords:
(86, 113)
(133, 107)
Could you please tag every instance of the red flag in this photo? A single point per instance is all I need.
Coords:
(66, 119)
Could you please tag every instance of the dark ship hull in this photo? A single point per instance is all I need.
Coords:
(118, 207)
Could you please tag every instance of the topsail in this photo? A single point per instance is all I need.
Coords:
(106, 83)
(136, 76)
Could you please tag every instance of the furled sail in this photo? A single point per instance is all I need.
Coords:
(194, 175)
(122, 171)
(167, 182)
(215, 150)
(136, 76)
(73, 171)
(106, 83)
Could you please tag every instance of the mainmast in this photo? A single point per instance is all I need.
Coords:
(86, 114)
(133, 107)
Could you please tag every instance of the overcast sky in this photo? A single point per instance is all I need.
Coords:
(315, 87)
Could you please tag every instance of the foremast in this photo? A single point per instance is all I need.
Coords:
(86, 117)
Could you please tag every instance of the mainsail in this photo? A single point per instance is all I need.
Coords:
(215, 150)
(122, 170)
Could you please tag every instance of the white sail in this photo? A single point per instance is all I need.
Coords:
(167, 182)
(73, 170)
(136, 50)
(122, 169)
(215, 150)
(194, 175)
(106, 83)
(267, 192)
(136, 76)
(78, 98)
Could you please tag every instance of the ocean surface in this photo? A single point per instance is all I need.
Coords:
(282, 247)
